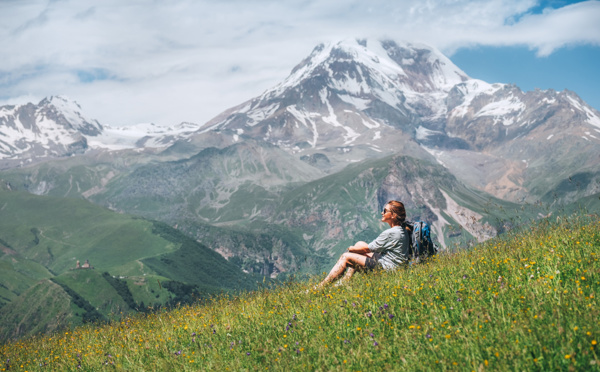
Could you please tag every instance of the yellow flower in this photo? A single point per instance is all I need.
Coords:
(568, 356)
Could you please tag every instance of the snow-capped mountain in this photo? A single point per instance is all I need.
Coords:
(361, 98)
(54, 127)
(348, 94)
(57, 127)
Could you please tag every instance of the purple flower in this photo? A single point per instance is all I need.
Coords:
(465, 276)
(428, 335)
(459, 299)
(193, 334)
(385, 306)
(248, 353)
(294, 317)
(346, 341)
(297, 351)
(375, 343)
(391, 316)
(368, 314)
(178, 352)
(372, 335)
(287, 328)
(353, 304)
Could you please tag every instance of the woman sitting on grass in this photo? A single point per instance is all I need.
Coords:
(387, 252)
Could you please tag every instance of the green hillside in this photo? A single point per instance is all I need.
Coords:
(136, 264)
(527, 300)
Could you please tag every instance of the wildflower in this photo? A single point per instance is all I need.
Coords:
(465, 276)
(428, 335)
(391, 316)
(375, 343)
(193, 334)
(372, 335)
(459, 299)
(385, 306)
(248, 353)
(178, 352)
(594, 343)
(346, 341)
(368, 314)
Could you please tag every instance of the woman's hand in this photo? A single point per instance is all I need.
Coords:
(359, 247)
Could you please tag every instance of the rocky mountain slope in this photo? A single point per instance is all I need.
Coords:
(365, 98)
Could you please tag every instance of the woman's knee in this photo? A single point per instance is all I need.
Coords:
(345, 257)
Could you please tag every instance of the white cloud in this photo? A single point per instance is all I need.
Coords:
(186, 60)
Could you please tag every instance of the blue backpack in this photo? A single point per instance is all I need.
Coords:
(421, 245)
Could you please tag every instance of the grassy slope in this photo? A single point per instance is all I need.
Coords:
(525, 301)
(56, 232)
(42, 237)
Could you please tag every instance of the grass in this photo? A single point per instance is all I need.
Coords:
(524, 301)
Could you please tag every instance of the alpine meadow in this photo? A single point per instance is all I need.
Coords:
(198, 246)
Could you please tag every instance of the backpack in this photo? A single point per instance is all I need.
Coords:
(421, 245)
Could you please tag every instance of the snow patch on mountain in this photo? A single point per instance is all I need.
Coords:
(470, 90)
(592, 118)
(305, 120)
(500, 110)
(423, 133)
(71, 111)
(141, 135)
(359, 103)
(260, 114)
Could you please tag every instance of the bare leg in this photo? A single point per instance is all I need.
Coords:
(350, 270)
(347, 260)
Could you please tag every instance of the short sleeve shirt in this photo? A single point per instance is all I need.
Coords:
(393, 246)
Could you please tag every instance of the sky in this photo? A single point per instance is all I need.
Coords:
(166, 62)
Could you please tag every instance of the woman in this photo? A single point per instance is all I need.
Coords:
(388, 251)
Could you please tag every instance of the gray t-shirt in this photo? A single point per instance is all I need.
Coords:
(393, 246)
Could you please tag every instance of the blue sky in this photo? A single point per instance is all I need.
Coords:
(188, 60)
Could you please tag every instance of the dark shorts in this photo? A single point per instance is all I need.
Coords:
(372, 263)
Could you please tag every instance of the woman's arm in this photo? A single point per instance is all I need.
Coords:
(359, 247)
